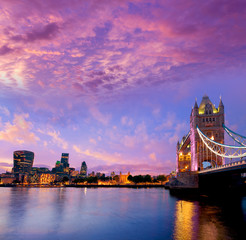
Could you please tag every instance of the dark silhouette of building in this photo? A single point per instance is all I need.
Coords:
(64, 160)
(23, 161)
(62, 167)
(58, 169)
(83, 170)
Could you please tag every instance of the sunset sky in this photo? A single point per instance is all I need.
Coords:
(113, 82)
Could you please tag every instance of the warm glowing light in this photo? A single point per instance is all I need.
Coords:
(212, 137)
(201, 111)
(180, 154)
(184, 224)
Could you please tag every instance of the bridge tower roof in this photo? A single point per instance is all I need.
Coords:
(204, 102)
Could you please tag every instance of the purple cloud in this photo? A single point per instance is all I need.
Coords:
(47, 32)
(5, 50)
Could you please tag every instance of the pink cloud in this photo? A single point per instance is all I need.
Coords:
(19, 132)
(152, 156)
(103, 156)
(56, 139)
(160, 42)
(99, 116)
(5, 166)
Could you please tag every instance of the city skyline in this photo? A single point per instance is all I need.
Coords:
(113, 83)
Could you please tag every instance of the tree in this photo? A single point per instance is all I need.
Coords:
(130, 178)
(92, 179)
(65, 179)
(76, 180)
(102, 178)
(147, 178)
(116, 178)
(138, 179)
(162, 178)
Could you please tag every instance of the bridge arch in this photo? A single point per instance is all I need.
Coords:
(208, 163)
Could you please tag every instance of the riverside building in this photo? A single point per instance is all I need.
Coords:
(23, 161)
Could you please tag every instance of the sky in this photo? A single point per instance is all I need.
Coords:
(112, 83)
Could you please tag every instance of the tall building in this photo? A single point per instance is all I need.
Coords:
(23, 161)
(83, 170)
(64, 160)
(62, 167)
(191, 152)
(58, 168)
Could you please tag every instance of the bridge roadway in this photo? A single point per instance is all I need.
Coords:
(229, 177)
(234, 166)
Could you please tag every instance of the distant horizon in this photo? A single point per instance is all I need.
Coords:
(96, 169)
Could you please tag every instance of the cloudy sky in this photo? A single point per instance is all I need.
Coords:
(113, 82)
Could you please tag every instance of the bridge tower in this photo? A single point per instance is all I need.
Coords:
(210, 120)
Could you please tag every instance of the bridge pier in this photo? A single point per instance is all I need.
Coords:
(185, 182)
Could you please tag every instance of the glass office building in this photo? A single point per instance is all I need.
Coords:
(23, 161)
(64, 160)
(83, 170)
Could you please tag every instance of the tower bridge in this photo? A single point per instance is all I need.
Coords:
(205, 142)
(203, 151)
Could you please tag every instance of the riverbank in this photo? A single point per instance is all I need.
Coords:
(86, 185)
(118, 186)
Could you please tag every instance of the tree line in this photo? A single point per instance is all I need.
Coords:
(135, 179)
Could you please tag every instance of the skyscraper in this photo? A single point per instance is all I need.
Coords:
(64, 160)
(83, 170)
(23, 161)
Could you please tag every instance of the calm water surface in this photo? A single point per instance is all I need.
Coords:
(116, 213)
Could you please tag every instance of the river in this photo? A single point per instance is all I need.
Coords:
(117, 213)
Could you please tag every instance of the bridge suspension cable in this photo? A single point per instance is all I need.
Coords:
(237, 137)
(225, 151)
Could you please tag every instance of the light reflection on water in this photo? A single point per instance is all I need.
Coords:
(185, 223)
(76, 213)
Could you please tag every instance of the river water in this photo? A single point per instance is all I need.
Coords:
(117, 213)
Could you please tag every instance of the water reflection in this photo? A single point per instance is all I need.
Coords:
(210, 219)
(58, 209)
(18, 202)
(186, 216)
(70, 213)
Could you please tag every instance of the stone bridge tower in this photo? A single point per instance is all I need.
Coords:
(210, 120)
